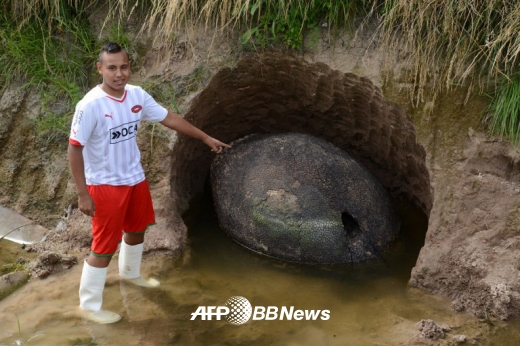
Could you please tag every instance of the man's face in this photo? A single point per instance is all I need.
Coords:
(115, 69)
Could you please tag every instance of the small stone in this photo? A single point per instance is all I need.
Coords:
(51, 262)
(457, 305)
(459, 338)
(61, 226)
(429, 330)
(21, 260)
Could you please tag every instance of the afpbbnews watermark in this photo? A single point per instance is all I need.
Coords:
(238, 310)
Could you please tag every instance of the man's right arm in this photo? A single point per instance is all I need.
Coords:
(77, 167)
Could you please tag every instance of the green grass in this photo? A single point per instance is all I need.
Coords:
(271, 22)
(49, 45)
(504, 110)
(455, 42)
(20, 341)
(12, 267)
(49, 57)
(165, 94)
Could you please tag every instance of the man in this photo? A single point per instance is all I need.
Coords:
(105, 163)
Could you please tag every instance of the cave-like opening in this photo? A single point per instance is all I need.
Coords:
(276, 93)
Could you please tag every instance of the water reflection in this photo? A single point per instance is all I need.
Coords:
(17, 228)
(369, 303)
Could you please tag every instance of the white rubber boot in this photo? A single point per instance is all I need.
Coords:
(129, 261)
(91, 295)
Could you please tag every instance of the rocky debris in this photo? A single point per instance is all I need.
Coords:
(460, 339)
(502, 297)
(75, 238)
(428, 329)
(49, 263)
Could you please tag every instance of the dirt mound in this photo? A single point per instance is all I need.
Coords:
(471, 249)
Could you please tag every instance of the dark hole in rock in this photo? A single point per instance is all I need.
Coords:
(350, 225)
(279, 93)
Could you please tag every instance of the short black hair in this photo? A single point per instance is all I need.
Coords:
(111, 47)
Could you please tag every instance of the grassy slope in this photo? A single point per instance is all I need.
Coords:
(452, 42)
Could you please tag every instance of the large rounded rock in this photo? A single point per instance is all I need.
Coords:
(299, 198)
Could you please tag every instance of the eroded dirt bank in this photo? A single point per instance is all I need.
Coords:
(471, 249)
(467, 182)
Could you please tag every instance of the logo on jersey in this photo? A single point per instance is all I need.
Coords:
(109, 116)
(136, 109)
(123, 132)
(77, 117)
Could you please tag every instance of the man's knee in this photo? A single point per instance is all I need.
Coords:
(133, 238)
(98, 262)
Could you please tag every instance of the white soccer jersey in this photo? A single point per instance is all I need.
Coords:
(107, 128)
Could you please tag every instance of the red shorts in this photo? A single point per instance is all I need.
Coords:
(119, 209)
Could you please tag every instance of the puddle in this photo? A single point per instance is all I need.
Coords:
(17, 228)
(369, 303)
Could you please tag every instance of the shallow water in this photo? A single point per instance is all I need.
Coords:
(369, 303)
(17, 228)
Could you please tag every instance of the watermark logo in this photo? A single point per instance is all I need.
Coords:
(238, 310)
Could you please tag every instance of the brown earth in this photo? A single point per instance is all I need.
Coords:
(435, 156)
(471, 249)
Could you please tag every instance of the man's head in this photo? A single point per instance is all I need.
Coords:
(110, 48)
(114, 65)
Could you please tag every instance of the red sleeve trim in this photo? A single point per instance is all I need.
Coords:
(75, 142)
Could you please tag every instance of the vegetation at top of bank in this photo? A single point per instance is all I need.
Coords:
(261, 22)
(47, 48)
(455, 42)
(504, 110)
(50, 45)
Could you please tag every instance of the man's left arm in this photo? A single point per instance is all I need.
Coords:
(177, 123)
